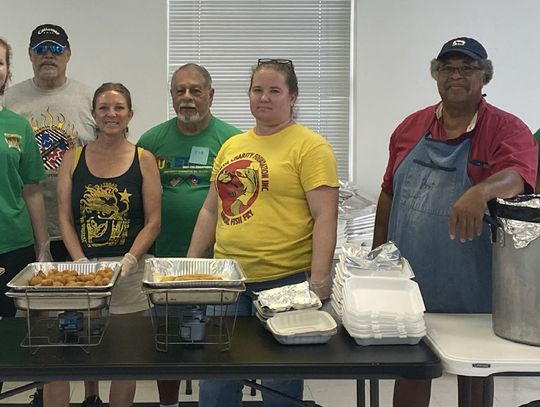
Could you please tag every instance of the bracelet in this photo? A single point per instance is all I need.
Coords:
(321, 283)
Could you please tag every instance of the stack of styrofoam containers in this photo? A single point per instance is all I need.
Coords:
(341, 273)
(375, 299)
(383, 310)
(336, 298)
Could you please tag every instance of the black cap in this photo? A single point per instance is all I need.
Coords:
(464, 45)
(49, 33)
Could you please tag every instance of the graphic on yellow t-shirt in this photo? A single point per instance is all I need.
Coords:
(238, 186)
(104, 215)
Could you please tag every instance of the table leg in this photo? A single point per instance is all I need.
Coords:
(373, 393)
(254, 385)
(464, 392)
(487, 391)
(360, 393)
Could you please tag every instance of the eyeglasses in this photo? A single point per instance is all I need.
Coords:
(42, 49)
(464, 70)
(287, 62)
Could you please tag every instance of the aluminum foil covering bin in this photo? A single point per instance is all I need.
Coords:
(516, 274)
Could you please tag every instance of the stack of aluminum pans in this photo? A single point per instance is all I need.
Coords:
(356, 218)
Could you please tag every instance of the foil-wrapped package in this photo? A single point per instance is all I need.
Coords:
(294, 296)
(384, 257)
(523, 232)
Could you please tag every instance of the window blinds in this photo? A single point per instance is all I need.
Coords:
(228, 36)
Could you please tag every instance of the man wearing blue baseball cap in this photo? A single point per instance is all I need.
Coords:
(446, 162)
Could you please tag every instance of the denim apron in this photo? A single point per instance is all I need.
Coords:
(453, 276)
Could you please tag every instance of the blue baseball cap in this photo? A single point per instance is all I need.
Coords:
(464, 45)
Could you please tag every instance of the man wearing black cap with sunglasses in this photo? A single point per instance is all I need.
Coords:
(446, 162)
(58, 109)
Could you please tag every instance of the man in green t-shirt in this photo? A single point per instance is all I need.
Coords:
(185, 148)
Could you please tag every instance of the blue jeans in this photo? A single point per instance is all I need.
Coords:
(228, 393)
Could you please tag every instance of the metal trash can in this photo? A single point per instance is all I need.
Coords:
(516, 269)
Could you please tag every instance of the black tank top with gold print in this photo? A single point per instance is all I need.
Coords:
(108, 212)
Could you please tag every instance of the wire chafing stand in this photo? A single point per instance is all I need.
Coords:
(85, 315)
(199, 307)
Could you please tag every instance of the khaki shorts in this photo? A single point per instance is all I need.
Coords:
(127, 295)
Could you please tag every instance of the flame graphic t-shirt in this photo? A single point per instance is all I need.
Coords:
(61, 119)
(264, 219)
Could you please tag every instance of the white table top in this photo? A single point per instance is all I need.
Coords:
(467, 346)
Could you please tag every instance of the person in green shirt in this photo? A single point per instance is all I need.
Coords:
(185, 147)
(23, 227)
(537, 138)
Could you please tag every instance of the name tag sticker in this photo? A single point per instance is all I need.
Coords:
(199, 155)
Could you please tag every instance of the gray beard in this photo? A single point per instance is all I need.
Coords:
(189, 119)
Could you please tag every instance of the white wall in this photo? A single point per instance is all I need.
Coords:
(112, 41)
(396, 40)
(126, 41)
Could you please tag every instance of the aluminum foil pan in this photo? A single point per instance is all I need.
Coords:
(40, 300)
(206, 296)
(21, 281)
(158, 271)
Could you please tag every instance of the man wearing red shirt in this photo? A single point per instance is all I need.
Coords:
(446, 162)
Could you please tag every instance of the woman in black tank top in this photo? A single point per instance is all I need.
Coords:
(109, 205)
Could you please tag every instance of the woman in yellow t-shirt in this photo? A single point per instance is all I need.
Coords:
(272, 206)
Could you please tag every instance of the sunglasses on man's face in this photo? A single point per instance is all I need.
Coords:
(42, 49)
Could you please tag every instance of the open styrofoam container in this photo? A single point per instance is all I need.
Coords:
(382, 295)
(314, 338)
(301, 322)
(302, 327)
